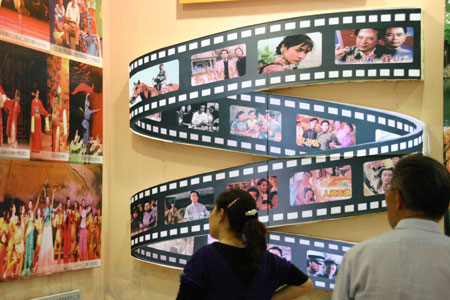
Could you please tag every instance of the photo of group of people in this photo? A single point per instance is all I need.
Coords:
(291, 52)
(323, 133)
(219, 64)
(320, 264)
(188, 206)
(321, 185)
(49, 107)
(50, 218)
(200, 116)
(154, 81)
(378, 175)
(144, 216)
(73, 24)
(255, 123)
(263, 190)
(374, 45)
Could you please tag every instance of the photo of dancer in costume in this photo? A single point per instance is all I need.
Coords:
(48, 233)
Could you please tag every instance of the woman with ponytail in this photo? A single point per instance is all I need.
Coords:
(239, 266)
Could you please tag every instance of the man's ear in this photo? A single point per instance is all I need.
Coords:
(398, 200)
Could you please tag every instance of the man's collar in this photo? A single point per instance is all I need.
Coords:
(419, 224)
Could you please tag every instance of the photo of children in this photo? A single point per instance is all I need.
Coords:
(157, 80)
(219, 64)
(281, 251)
(324, 134)
(263, 190)
(76, 25)
(374, 45)
(321, 185)
(86, 117)
(50, 218)
(258, 124)
(144, 217)
(288, 53)
(29, 19)
(200, 116)
(188, 206)
(378, 175)
(321, 264)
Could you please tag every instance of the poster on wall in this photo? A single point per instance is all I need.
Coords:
(447, 101)
(50, 114)
(50, 217)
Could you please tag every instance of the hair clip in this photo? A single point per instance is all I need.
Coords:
(232, 202)
(251, 212)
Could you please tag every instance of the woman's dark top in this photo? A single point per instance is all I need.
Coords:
(220, 271)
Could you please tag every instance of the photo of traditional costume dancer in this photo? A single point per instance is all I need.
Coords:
(263, 190)
(378, 175)
(287, 53)
(188, 206)
(323, 133)
(219, 64)
(76, 24)
(157, 80)
(23, 101)
(50, 218)
(321, 185)
(255, 123)
(374, 45)
(200, 116)
(321, 264)
(86, 117)
(29, 19)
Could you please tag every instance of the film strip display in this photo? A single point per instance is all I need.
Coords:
(330, 160)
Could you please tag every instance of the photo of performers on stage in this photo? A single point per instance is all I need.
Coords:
(323, 133)
(374, 45)
(378, 175)
(289, 53)
(200, 116)
(321, 185)
(219, 64)
(157, 80)
(263, 190)
(255, 123)
(50, 218)
(86, 117)
(188, 206)
(76, 24)
(321, 264)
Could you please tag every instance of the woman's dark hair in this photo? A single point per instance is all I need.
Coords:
(294, 40)
(239, 113)
(252, 231)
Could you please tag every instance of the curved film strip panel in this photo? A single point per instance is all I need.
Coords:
(330, 160)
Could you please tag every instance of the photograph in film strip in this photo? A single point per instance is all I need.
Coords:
(50, 218)
(447, 104)
(324, 154)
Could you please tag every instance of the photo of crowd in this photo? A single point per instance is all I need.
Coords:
(378, 175)
(374, 45)
(200, 116)
(161, 79)
(321, 185)
(288, 53)
(73, 24)
(320, 264)
(51, 221)
(281, 251)
(263, 190)
(219, 64)
(324, 134)
(144, 216)
(188, 206)
(258, 124)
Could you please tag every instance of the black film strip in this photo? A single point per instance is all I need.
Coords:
(331, 160)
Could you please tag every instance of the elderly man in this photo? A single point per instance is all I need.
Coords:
(366, 49)
(412, 261)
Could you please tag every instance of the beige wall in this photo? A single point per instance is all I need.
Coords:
(133, 163)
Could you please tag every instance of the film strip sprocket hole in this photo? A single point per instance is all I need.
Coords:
(330, 160)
